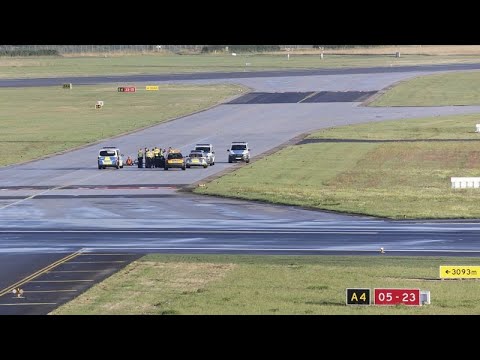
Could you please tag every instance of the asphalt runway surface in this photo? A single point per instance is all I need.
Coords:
(60, 209)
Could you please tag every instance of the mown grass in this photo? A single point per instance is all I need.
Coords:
(268, 285)
(404, 179)
(52, 119)
(459, 88)
(173, 63)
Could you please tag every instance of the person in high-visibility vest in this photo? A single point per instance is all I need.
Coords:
(140, 158)
(147, 159)
(150, 158)
(156, 153)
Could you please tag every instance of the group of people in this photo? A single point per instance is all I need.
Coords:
(154, 157)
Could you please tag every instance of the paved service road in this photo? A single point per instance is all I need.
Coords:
(54, 211)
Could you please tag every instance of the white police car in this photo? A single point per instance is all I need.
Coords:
(110, 156)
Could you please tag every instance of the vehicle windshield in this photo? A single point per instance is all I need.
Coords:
(195, 155)
(239, 147)
(175, 156)
(206, 149)
(107, 153)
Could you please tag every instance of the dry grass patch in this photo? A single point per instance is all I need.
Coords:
(147, 287)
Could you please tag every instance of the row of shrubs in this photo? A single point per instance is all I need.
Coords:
(44, 52)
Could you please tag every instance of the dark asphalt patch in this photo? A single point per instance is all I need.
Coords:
(62, 283)
(339, 96)
(271, 98)
(302, 97)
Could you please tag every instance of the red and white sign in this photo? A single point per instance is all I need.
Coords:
(397, 296)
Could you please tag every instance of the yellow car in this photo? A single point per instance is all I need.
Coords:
(174, 159)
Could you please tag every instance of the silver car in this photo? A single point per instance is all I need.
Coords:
(239, 151)
(196, 158)
(209, 153)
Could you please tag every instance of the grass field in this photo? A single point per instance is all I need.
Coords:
(51, 119)
(404, 179)
(459, 88)
(172, 63)
(227, 284)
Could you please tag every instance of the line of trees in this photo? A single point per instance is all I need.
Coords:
(240, 48)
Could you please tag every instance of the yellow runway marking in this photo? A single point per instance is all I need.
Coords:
(55, 281)
(308, 97)
(46, 291)
(95, 262)
(39, 272)
(28, 304)
(73, 271)
(87, 254)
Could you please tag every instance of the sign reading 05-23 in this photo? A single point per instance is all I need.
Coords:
(396, 296)
(358, 296)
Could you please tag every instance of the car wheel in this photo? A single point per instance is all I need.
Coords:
(99, 167)
(247, 161)
(229, 160)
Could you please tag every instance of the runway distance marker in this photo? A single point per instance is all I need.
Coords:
(459, 272)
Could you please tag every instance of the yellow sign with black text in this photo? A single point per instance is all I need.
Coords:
(151, 87)
(459, 272)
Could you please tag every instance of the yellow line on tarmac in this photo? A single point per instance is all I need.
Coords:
(39, 272)
(95, 262)
(56, 281)
(47, 291)
(307, 97)
(28, 304)
(73, 271)
(94, 254)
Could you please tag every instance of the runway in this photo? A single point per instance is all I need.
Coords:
(55, 207)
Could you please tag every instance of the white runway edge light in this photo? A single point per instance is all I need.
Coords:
(99, 104)
(477, 128)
